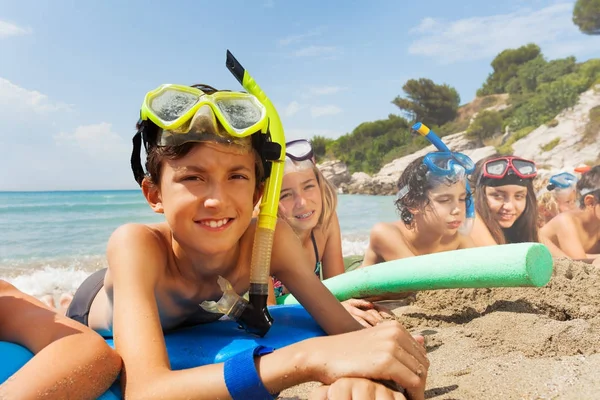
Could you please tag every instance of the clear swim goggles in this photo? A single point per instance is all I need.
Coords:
(174, 108)
(299, 156)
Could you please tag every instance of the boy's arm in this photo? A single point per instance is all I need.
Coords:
(333, 260)
(291, 264)
(567, 236)
(86, 365)
(134, 259)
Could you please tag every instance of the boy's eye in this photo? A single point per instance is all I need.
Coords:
(239, 176)
(190, 178)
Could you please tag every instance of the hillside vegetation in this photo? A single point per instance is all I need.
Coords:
(524, 91)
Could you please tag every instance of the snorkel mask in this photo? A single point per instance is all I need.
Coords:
(187, 114)
(434, 139)
(299, 156)
(562, 181)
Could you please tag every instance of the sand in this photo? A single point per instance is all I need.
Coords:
(509, 343)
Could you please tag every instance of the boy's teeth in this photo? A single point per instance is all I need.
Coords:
(216, 224)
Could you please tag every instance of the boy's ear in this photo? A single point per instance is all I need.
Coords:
(589, 200)
(414, 211)
(152, 195)
(258, 192)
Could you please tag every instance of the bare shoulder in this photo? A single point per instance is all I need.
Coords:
(565, 220)
(383, 230)
(138, 245)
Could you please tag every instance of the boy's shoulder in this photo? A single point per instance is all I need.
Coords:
(133, 237)
(384, 232)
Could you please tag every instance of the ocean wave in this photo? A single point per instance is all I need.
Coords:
(48, 280)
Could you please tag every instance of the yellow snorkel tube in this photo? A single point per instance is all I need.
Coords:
(256, 318)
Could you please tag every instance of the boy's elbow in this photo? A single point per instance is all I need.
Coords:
(106, 361)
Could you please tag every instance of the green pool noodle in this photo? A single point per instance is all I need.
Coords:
(509, 265)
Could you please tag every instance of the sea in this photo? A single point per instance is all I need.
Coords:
(51, 241)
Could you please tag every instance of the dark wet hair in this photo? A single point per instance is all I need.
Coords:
(525, 228)
(155, 155)
(415, 178)
(589, 180)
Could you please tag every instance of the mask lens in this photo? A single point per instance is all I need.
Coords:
(465, 162)
(563, 180)
(172, 104)
(240, 113)
(496, 168)
(300, 150)
(524, 167)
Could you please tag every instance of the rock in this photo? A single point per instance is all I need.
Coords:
(570, 151)
(335, 172)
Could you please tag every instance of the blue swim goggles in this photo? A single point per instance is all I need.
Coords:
(444, 163)
(563, 180)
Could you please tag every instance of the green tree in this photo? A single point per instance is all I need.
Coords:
(486, 124)
(319, 145)
(506, 65)
(586, 15)
(428, 102)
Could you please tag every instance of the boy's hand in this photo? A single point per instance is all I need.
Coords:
(385, 352)
(355, 389)
(365, 312)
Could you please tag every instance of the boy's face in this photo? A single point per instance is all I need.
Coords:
(300, 200)
(565, 201)
(208, 196)
(447, 207)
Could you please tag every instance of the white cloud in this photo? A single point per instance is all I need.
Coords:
(9, 29)
(97, 141)
(325, 90)
(292, 108)
(292, 134)
(316, 51)
(286, 41)
(320, 111)
(21, 98)
(484, 37)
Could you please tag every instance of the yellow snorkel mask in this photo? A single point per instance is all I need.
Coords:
(182, 114)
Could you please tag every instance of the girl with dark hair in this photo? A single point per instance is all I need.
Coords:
(505, 201)
(432, 206)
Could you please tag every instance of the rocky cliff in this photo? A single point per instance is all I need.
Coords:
(562, 146)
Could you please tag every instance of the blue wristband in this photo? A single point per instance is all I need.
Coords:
(241, 377)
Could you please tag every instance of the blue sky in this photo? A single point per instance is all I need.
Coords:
(73, 74)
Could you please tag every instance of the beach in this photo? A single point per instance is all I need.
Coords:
(508, 343)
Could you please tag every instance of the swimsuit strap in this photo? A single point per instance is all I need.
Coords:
(318, 263)
(314, 242)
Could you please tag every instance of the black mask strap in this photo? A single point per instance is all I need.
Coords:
(136, 162)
